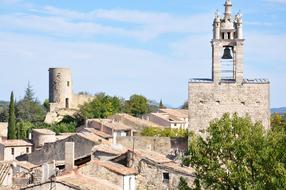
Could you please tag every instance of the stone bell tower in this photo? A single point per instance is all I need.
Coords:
(227, 91)
(227, 39)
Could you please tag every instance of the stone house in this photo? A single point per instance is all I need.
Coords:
(10, 149)
(42, 136)
(137, 124)
(169, 118)
(109, 126)
(101, 134)
(155, 171)
(84, 142)
(117, 174)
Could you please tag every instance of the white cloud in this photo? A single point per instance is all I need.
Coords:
(143, 26)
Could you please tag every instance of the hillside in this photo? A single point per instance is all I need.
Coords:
(278, 110)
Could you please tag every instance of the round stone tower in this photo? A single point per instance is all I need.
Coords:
(60, 88)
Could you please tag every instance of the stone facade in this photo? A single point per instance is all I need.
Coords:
(56, 150)
(210, 101)
(162, 145)
(153, 177)
(3, 129)
(60, 90)
(155, 171)
(10, 149)
(227, 91)
(42, 136)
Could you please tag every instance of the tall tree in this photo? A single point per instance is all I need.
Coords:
(239, 154)
(12, 119)
(137, 105)
(185, 105)
(101, 106)
(161, 105)
(29, 108)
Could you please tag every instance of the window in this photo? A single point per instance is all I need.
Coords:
(67, 103)
(243, 103)
(218, 102)
(12, 151)
(68, 83)
(228, 35)
(166, 177)
(27, 150)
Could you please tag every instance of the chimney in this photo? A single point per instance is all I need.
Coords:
(69, 156)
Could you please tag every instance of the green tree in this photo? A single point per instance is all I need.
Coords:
(183, 184)
(12, 119)
(29, 108)
(185, 105)
(238, 154)
(101, 106)
(137, 105)
(46, 105)
(23, 128)
(4, 114)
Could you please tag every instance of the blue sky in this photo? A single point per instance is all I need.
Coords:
(123, 47)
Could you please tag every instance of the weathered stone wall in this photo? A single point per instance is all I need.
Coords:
(60, 87)
(56, 150)
(3, 129)
(163, 145)
(80, 99)
(208, 101)
(151, 177)
(40, 139)
(93, 170)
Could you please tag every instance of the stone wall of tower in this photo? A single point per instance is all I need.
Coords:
(60, 91)
(208, 101)
(60, 87)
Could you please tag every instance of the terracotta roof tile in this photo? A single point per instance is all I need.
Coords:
(99, 133)
(114, 167)
(86, 182)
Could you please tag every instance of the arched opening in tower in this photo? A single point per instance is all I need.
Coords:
(227, 64)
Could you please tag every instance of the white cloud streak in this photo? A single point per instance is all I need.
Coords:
(142, 26)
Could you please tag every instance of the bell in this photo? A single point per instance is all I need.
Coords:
(226, 53)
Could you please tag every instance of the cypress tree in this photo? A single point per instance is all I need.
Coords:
(12, 119)
(161, 105)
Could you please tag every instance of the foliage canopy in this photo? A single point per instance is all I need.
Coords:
(239, 154)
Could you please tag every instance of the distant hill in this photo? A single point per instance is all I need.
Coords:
(3, 103)
(278, 110)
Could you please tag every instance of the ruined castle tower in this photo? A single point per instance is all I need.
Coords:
(60, 88)
(227, 91)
